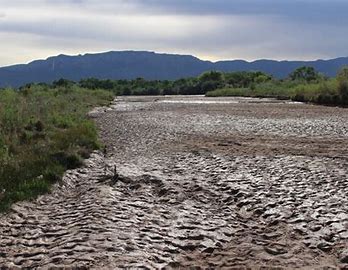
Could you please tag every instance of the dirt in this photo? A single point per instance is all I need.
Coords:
(201, 183)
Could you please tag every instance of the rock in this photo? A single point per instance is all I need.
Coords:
(209, 250)
(315, 228)
(275, 250)
(324, 246)
(344, 256)
(271, 235)
(258, 211)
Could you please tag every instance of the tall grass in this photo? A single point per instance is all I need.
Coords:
(322, 93)
(328, 92)
(230, 92)
(43, 132)
(274, 89)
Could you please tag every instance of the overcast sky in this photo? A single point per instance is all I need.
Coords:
(209, 29)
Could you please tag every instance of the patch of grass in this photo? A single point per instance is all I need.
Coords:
(230, 92)
(43, 132)
(327, 92)
(268, 89)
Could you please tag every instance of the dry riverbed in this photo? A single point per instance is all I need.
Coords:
(224, 183)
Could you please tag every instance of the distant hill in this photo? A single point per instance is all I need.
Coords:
(149, 65)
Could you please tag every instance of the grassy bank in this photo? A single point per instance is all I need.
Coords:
(43, 132)
(328, 92)
(270, 89)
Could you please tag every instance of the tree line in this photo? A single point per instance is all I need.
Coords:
(215, 83)
(208, 81)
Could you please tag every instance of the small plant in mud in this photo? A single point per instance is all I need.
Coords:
(115, 176)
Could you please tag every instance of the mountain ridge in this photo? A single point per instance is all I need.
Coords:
(147, 64)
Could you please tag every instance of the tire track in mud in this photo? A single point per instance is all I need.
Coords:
(179, 204)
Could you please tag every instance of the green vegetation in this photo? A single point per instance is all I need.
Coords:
(43, 132)
(208, 81)
(275, 89)
(304, 74)
(304, 84)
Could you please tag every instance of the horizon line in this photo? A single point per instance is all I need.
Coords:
(167, 53)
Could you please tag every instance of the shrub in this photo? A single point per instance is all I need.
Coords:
(342, 78)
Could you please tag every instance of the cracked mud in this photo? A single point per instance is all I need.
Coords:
(225, 183)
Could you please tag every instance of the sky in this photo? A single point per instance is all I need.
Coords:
(209, 29)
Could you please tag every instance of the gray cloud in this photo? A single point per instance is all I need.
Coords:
(299, 9)
(249, 29)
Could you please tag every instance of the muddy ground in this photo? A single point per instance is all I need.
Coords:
(224, 183)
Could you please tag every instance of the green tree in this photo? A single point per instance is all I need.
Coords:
(63, 83)
(342, 78)
(262, 78)
(343, 73)
(304, 73)
(211, 76)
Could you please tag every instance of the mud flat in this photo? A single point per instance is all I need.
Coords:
(224, 183)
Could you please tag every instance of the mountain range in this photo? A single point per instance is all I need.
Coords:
(148, 65)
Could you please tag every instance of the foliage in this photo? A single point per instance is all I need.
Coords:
(43, 132)
(329, 92)
(216, 76)
(305, 85)
(208, 81)
(307, 74)
(243, 79)
(342, 78)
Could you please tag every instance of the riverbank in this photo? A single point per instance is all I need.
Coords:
(331, 92)
(44, 131)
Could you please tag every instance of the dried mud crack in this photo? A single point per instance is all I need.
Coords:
(203, 183)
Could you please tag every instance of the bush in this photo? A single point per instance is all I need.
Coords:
(342, 78)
